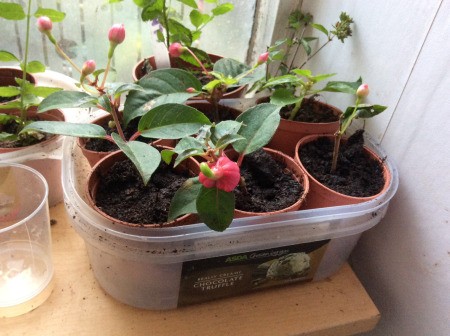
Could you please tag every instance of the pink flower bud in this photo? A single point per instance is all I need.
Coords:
(176, 49)
(191, 90)
(44, 24)
(88, 67)
(263, 58)
(363, 91)
(116, 33)
(225, 175)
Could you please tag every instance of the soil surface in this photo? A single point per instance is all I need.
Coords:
(270, 186)
(122, 194)
(311, 111)
(356, 174)
(13, 128)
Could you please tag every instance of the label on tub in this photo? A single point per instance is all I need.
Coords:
(218, 277)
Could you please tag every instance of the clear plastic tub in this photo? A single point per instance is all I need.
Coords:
(166, 268)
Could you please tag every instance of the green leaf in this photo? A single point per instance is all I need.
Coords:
(306, 46)
(283, 97)
(67, 99)
(198, 19)
(160, 87)
(230, 67)
(281, 80)
(179, 32)
(223, 9)
(54, 15)
(7, 136)
(171, 121)
(187, 144)
(201, 55)
(190, 3)
(215, 208)
(344, 87)
(224, 128)
(66, 128)
(11, 11)
(369, 111)
(6, 118)
(34, 67)
(9, 91)
(302, 72)
(321, 77)
(145, 157)
(105, 103)
(14, 104)
(43, 91)
(259, 124)
(185, 198)
(319, 27)
(121, 88)
(6, 56)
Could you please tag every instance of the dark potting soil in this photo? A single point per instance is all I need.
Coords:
(356, 173)
(122, 194)
(270, 186)
(13, 128)
(311, 111)
(102, 145)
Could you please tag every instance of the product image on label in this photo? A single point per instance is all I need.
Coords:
(218, 277)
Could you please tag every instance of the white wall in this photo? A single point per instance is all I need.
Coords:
(402, 49)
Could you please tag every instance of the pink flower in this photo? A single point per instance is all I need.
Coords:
(116, 33)
(44, 24)
(176, 49)
(363, 91)
(223, 174)
(88, 67)
(263, 58)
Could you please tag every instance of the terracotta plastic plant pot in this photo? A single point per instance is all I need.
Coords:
(43, 156)
(289, 132)
(206, 108)
(93, 156)
(321, 196)
(297, 173)
(139, 72)
(104, 165)
(8, 77)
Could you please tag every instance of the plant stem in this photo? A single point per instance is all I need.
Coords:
(296, 49)
(166, 23)
(295, 109)
(314, 54)
(23, 112)
(67, 58)
(108, 67)
(198, 61)
(337, 142)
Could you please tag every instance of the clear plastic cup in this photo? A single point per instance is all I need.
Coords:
(26, 268)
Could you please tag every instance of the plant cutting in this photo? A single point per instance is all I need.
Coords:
(19, 99)
(98, 93)
(284, 52)
(169, 27)
(221, 184)
(340, 172)
(295, 88)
